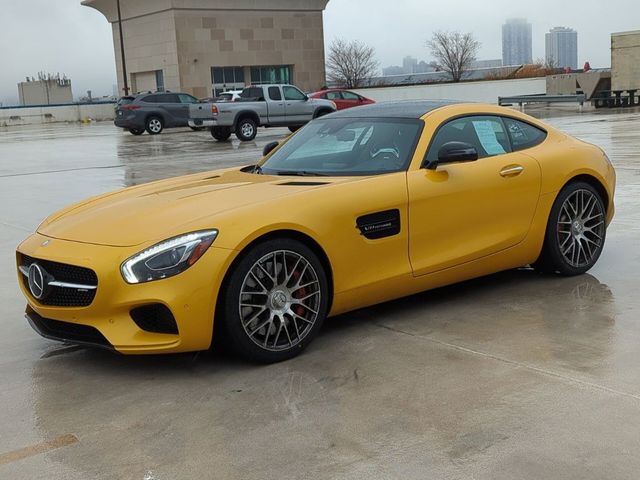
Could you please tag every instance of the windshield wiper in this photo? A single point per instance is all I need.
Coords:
(301, 173)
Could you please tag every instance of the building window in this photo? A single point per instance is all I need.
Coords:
(227, 78)
(159, 81)
(271, 74)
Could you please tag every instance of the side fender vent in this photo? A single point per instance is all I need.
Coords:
(380, 224)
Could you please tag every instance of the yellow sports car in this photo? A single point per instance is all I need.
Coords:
(356, 208)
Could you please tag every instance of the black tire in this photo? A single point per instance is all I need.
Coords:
(322, 113)
(246, 129)
(299, 292)
(221, 134)
(295, 128)
(154, 125)
(136, 131)
(575, 235)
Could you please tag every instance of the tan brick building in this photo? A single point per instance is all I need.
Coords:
(203, 47)
(625, 60)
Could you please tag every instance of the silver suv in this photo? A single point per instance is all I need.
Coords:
(154, 112)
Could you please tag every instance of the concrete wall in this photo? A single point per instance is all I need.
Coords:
(44, 92)
(485, 92)
(56, 113)
(625, 60)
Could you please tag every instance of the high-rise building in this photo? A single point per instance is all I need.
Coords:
(516, 42)
(410, 64)
(562, 47)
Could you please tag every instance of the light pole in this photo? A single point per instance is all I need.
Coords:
(124, 63)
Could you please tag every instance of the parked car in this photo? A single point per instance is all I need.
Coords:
(154, 112)
(342, 98)
(358, 207)
(259, 106)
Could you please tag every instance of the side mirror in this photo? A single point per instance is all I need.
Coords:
(269, 147)
(453, 152)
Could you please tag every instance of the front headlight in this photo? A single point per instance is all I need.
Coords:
(167, 258)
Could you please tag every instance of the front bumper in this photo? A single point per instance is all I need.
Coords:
(107, 322)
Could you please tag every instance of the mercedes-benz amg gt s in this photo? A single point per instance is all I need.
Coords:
(356, 208)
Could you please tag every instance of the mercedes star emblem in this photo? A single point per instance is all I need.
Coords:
(36, 281)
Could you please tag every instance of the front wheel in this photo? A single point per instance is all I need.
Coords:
(576, 231)
(275, 301)
(221, 134)
(246, 129)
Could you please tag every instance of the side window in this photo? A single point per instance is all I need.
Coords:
(184, 98)
(524, 135)
(292, 93)
(169, 98)
(350, 96)
(274, 93)
(485, 133)
(253, 94)
(150, 99)
(333, 96)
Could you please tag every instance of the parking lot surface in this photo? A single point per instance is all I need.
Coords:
(517, 375)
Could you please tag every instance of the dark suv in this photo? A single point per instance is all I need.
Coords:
(153, 112)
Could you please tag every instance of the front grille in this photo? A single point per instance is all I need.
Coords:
(65, 331)
(62, 272)
(156, 318)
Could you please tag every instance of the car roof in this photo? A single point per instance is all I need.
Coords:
(404, 109)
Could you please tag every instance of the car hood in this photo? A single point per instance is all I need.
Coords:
(158, 210)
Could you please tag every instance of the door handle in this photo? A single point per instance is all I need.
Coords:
(511, 170)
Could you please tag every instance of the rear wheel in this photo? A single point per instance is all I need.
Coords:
(576, 231)
(136, 131)
(246, 129)
(221, 134)
(154, 125)
(275, 301)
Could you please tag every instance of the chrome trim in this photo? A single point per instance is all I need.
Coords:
(78, 286)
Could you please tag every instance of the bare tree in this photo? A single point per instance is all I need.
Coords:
(350, 63)
(454, 52)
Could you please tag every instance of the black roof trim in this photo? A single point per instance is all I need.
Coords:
(403, 109)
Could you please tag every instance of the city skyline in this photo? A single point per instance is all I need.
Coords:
(90, 63)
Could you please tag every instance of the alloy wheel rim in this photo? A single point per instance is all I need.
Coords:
(581, 228)
(279, 300)
(247, 129)
(154, 125)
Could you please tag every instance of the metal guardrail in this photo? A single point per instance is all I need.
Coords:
(542, 98)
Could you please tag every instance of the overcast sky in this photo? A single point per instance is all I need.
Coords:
(63, 36)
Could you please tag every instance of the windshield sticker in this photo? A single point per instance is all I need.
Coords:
(487, 137)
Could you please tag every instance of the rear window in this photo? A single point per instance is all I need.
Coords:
(523, 135)
(252, 94)
(126, 100)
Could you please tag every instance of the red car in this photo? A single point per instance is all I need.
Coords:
(342, 98)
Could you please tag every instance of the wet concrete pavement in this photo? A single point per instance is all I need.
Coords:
(512, 376)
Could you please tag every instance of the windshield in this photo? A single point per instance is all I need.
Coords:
(347, 146)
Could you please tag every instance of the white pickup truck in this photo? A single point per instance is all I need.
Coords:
(258, 106)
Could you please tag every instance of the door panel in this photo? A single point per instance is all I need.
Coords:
(298, 108)
(464, 211)
(277, 110)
